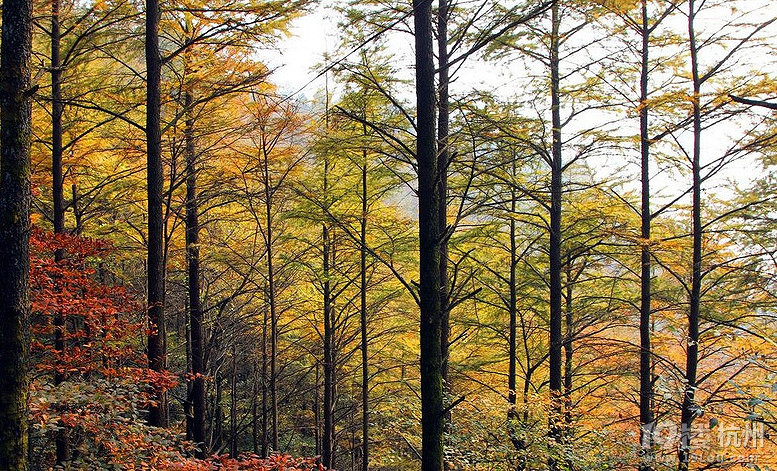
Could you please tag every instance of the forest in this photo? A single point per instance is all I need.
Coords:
(481, 235)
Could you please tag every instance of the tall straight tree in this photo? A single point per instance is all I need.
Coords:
(157, 342)
(700, 173)
(15, 123)
(554, 248)
(58, 197)
(443, 129)
(198, 393)
(430, 239)
(646, 425)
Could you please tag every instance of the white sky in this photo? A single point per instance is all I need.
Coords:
(300, 58)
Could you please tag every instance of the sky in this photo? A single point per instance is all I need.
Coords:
(299, 59)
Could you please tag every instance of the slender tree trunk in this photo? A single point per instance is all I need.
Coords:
(233, 448)
(512, 414)
(265, 435)
(255, 412)
(15, 132)
(328, 360)
(268, 201)
(443, 130)
(56, 124)
(198, 395)
(689, 407)
(218, 418)
(76, 210)
(188, 407)
(432, 420)
(157, 341)
(568, 345)
(556, 312)
(58, 197)
(363, 312)
(645, 371)
(317, 410)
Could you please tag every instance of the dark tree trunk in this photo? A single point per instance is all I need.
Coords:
(233, 445)
(443, 129)
(76, 210)
(512, 413)
(58, 197)
(15, 132)
(645, 371)
(556, 312)
(689, 408)
(56, 124)
(363, 319)
(317, 410)
(329, 426)
(255, 412)
(270, 240)
(157, 341)
(198, 393)
(568, 344)
(217, 438)
(432, 420)
(265, 436)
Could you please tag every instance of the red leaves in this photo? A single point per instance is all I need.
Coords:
(102, 322)
(107, 379)
(251, 462)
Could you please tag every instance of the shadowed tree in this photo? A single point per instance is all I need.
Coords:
(15, 112)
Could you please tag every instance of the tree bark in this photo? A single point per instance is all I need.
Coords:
(198, 392)
(58, 198)
(689, 407)
(265, 435)
(328, 444)
(15, 200)
(432, 420)
(157, 341)
(569, 336)
(363, 317)
(556, 312)
(268, 203)
(233, 445)
(443, 130)
(645, 370)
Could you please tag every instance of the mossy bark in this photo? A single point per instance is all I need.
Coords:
(15, 106)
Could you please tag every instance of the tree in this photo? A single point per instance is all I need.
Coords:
(157, 338)
(429, 210)
(15, 115)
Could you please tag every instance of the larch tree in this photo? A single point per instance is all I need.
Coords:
(429, 210)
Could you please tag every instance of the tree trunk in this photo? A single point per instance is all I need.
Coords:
(568, 344)
(317, 410)
(443, 129)
(15, 200)
(76, 210)
(58, 197)
(432, 420)
(157, 341)
(329, 435)
(265, 436)
(512, 413)
(689, 407)
(268, 200)
(233, 448)
(363, 312)
(556, 312)
(198, 393)
(645, 371)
